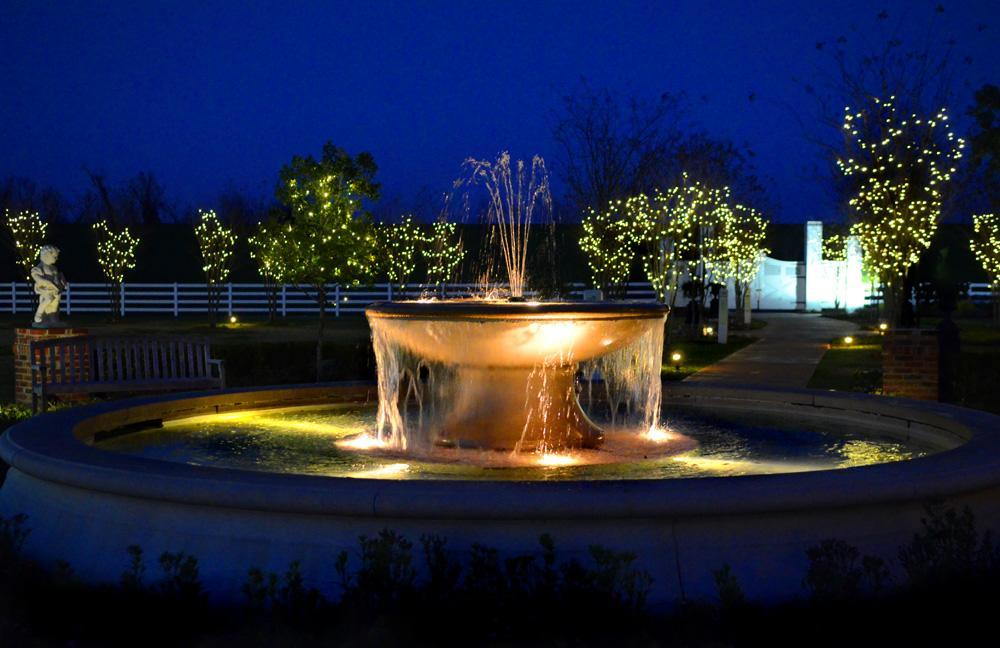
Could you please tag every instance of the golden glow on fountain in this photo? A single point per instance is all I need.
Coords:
(657, 435)
(382, 472)
(362, 442)
(553, 460)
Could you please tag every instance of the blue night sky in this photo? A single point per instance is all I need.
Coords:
(216, 96)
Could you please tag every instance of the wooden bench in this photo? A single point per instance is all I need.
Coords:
(104, 364)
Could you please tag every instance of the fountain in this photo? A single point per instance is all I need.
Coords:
(503, 375)
(494, 422)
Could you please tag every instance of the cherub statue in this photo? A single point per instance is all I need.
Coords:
(49, 283)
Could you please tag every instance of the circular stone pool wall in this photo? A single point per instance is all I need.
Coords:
(86, 506)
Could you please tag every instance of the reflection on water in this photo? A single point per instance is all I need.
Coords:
(336, 441)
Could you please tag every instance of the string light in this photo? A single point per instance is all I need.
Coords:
(27, 230)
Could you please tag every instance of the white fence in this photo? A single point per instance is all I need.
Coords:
(245, 298)
(240, 298)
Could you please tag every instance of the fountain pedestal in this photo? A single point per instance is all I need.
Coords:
(524, 409)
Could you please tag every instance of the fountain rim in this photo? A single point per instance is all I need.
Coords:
(57, 448)
(477, 310)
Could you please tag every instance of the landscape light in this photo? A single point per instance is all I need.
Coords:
(882, 328)
(676, 357)
(232, 319)
(708, 330)
(848, 340)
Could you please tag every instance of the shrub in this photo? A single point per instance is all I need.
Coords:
(838, 572)
(949, 550)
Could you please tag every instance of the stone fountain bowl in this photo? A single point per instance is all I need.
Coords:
(522, 335)
(516, 363)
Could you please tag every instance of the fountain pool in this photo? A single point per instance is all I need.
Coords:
(772, 474)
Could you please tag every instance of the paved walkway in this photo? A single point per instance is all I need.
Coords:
(789, 348)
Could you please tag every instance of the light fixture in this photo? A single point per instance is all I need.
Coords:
(848, 340)
(676, 357)
(232, 319)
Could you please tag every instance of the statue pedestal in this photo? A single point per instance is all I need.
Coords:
(23, 337)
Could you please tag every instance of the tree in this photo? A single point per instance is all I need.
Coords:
(116, 248)
(328, 237)
(27, 234)
(668, 235)
(986, 246)
(835, 249)
(744, 233)
(216, 242)
(266, 250)
(147, 197)
(900, 167)
(612, 148)
(398, 245)
(610, 240)
(443, 252)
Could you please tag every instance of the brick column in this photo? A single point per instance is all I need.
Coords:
(910, 364)
(23, 338)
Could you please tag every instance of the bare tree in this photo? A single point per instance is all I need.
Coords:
(148, 198)
(610, 147)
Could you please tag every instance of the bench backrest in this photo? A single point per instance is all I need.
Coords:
(107, 359)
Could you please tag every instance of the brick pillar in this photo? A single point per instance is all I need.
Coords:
(910, 364)
(22, 356)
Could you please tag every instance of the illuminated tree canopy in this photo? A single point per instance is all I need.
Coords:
(116, 248)
(443, 252)
(27, 232)
(328, 236)
(985, 245)
(610, 240)
(397, 245)
(216, 242)
(901, 166)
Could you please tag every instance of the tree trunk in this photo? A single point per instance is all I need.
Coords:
(747, 307)
(321, 297)
(723, 314)
(210, 293)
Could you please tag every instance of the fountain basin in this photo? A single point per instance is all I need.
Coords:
(514, 362)
(86, 506)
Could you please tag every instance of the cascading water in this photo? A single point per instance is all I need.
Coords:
(507, 376)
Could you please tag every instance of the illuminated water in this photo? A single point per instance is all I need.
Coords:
(306, 441)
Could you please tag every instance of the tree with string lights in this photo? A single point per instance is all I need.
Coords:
(216, 242)
(267, 252)
(610, 240)
(986, 246)
(443, 252)
(397, 246)
(900, 167)
(116, 247)
(744, 232)
(329, 237)
(27, 234)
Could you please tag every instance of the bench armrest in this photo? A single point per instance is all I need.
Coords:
(221, 366)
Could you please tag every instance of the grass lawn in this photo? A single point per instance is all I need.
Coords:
(698, 354)
(859, 367)
(851, 367)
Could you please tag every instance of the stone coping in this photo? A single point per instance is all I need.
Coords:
(57, 447)
(480, 309)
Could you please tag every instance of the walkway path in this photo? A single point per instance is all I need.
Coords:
(789, 348)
